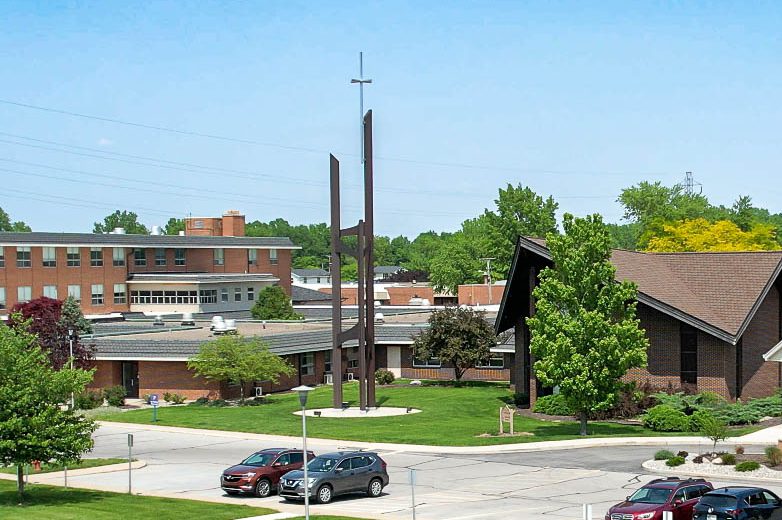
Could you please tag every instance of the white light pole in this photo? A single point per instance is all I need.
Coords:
(303, 391)
(488, 274)
(70, 348)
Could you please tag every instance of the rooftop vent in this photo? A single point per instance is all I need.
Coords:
(118, 231)
(156, 231)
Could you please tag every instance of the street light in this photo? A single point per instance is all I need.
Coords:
(70, 348)
(303, 391)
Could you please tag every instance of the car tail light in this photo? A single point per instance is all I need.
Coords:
(382, 463)
(735, 513)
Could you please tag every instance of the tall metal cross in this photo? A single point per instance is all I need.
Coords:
(361, 80)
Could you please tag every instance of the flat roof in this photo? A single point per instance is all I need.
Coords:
(36, 238)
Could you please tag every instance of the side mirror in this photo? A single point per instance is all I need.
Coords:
(339, 470)
(627, 498)
(276, 465)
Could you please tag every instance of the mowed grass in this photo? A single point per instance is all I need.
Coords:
(49, 468)
(451, 416)
(55, 503)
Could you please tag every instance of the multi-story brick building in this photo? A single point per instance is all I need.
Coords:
(709, 317)
(211, 266)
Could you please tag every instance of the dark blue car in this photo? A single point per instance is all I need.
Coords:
(738, 503)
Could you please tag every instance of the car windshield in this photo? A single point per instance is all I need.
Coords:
(717, 501)
(259, 459)
(651, 496)
(321, 464)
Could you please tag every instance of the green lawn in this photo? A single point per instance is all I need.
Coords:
(55, 503)
(85, 463)
(450, 417)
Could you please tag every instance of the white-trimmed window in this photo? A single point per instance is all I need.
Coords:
(24, 293)
(23, 257)
(50, 291)
(2, 298)
(118, 255)
(224, 294)
(250, 294)
(252, 256)
(432, 362)
(120, 293)
(140, 257)
(219, 256)
(273, 256)
(307, 363)
(496, 361)
(74, 291)
(49, 256)
(179, 257)
(207, 296)
(237, 294)
(74, 257)
(96, 257)
(160, 256)
(96, 294)
(327, 361)
(2, 256)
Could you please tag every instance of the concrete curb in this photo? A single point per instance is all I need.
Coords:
(52, 475)
(716, 476)
(596, 442)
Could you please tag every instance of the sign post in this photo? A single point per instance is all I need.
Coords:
(153, 400)
(130, 460)
(506, 415)
(412, 489)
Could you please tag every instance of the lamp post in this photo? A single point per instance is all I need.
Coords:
(70, 349)
(303, 391)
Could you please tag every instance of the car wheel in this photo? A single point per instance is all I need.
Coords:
(375, 488)
(325, 494)
(263, 488)
(230, 492)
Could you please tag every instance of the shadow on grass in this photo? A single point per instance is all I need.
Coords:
(48, 496)
(382, 401)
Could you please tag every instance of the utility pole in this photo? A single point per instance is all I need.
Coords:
(488, 273)
(689, 184)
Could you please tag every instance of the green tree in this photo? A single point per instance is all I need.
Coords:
(701, 235)
(238, 360)
(584, 335)
(174, 226)
(274, 304)
(458, 261)
(34, 424)
(72, 318)
(458, 337)
(121, 219)
(7, 225)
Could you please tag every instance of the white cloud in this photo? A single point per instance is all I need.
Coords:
(103, 141)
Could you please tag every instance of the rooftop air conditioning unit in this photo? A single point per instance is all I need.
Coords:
(119, 231)
(156, 231)
(350, 376)
(187, 319)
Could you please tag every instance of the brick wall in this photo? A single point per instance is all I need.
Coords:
(761, 378)
(447, 373)
(107, 373)
(159, 377)
(478, 294)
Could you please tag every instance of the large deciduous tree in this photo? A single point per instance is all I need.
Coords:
(50, 320)
(127, 220)
(238, 360)
(7, 225)
(701, 235)
(274, 304)
(34, 424)
(459, 337)
(584, 335)
(174, 226)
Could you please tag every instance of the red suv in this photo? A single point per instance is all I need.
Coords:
(260, 473)
(663, 494)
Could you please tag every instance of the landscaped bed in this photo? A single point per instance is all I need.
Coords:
(451, 416)
(737, 465)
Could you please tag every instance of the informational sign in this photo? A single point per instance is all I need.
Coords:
(154, 401)
(506, 416)
(130, 440)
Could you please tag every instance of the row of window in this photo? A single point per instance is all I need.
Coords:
(191, 297)
(73, 257)
(492, 362)
(24, 293)
(307, 362)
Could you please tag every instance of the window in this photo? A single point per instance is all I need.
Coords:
(432, 362)
(96, 294)
(273, 256)
(140, 257)
(296, 457)
(306, 280)
(360, 462)
(2, 298)
(224, 295)
(160, 256)
(49, 257)
(283, 460)
(492, 362)
(252, 256)
(24, 294)
(219, 255)
(119, 293)
(119, 256)
(327, 361)
(250, 294)
(50, 291)
(2, 256)
(74, 291)
(307, 363)
(344, 465)
(23, 257)
(179, 257)
(96, 257)
(207, 296)
(237, 294)
(74, 257)
(689, 355)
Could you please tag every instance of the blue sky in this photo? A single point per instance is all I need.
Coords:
(574, 100)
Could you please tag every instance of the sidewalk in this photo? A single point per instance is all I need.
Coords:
(766, 437)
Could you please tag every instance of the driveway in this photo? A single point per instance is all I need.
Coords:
(545, 484)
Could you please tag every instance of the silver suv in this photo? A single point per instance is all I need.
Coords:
(337, 473)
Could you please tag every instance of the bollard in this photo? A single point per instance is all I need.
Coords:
(130, 461)
(587, 512)
(65, 474)
(412, 489)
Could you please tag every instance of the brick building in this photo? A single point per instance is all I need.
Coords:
(212, 266)
(709, 317)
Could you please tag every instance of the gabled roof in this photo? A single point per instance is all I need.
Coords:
(303, 294)
(387, 269)
(310, 272)
(127, 240)
(717, 293)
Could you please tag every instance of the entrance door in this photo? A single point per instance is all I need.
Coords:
(130, 378)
